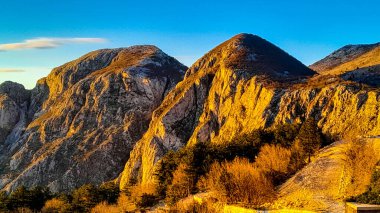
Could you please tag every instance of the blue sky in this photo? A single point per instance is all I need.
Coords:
(306, 29)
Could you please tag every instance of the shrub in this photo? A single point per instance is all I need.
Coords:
(143, 195)
(203, 206)
(198, 160)
(182, 185)
(255, 138)
(56, 205)
(274, 161)
(4, 202)
(86, 197)
(109, 192)
(239, 182)
(23, 210)
(125, 204)
(285, 134)
(147, 200)
(361, 160)
(33, 199)
(372, 195)
(104, 207)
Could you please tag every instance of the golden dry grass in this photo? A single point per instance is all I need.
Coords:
(340, 170)
(239, 182)
(360, 161)
(273, 158)
(54, 205)
(104, 207)
(368, 59)
(124, 204)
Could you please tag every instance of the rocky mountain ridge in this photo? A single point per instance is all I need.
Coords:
(115, 112)
(85, 117)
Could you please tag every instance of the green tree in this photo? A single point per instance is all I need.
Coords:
(109, 192)
(86, 197)
(38, 196)
(164, 174)
(285, 134)
(19, 198)
(255, 138)
(33, 199)
(309, 137)
(4, 201)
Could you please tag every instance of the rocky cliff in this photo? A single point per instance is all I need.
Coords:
(129, 106)
(14, 99)
(244, 84)
(80, 122)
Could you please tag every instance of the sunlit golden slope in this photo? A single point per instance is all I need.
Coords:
(366, 60)
(348, 58)
(330, 178)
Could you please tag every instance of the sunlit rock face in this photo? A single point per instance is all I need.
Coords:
(85, 117)
(125, 108)
(245, 84)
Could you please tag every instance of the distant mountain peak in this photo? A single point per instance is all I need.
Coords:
(344, 59)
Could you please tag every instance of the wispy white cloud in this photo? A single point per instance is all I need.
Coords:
(10, 70)
(44, 43)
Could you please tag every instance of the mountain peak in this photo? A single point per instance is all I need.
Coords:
(343, 59)
(255, 56)
(15, 91)
(147, 56)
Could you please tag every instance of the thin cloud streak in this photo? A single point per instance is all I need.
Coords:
(6, 70)
(46, 43)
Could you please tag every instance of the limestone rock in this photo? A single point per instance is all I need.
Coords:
(86, 117)
(228, 92)
(13, 100)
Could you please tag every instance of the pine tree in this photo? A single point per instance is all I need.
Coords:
(309, 137)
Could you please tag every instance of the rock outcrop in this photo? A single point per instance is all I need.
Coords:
(14, 99)
(85, 117)
(244, 84)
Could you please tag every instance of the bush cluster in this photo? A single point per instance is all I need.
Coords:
(245, 170)
(372, 195)
(206, 166)
(41, 199)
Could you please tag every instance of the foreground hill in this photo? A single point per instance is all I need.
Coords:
(348, 58)
(331, 177)
(246, 83)
(81, 121)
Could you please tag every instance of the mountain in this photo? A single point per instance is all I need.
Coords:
(348, 58)
(228, 93)
(79, 123)
(112, 114)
